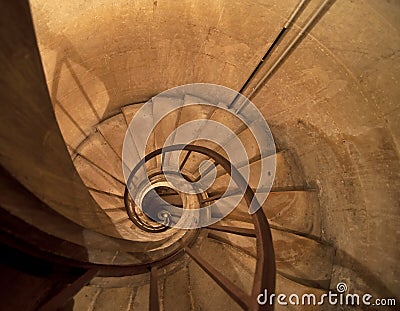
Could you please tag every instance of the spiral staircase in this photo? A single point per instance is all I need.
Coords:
(74, 236)
(219, 264)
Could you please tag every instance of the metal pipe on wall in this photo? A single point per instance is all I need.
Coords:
(286, 52)
(290, 20)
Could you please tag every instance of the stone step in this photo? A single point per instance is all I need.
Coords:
(249, 143)
(228, 119)
(117, 215)
(298, 211)
(234, 223)
(246, 138)
(303, 259)
(286, 176)
(122, 281)
(195, 159)
(115, 299)
(93, 298)
(98, 152)
(145, 141)
(114, 130)
(190, 112)
(85, 299)
(289, 287)
(170, 108)
(239, 268)
(221, 116)
(140, 301)
(176, 293)
(147, 115)
(74, 123)
(130, 111)
(245, 244)
(295, 210)
(207, 295)
(97, 179)
(193, 109)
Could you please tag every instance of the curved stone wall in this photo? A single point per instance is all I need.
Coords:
(333, 103)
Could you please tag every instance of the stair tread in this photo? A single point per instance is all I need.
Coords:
(130, 111)
(288, 287)
(296, 256)
(85, 299)
(141, 299)
(246, 244)
(176, 291)
(72, 121)
(287, 173)
(139, 135)
(223, 206)
(294, 210)
(113, 299)
(191, 99)
(166, 125)
(226, 117)
(249, 143)
(146, 118)
(285, 176)
(117, 215)
(98, 151)
(193, 163)
(169, 108)
(121, 281)
(106, 201)
(194, 112)
(302, 257)
(113, 130)
(188, 113)
(207, 295)
(220, 116)
(94, 178)
(235, 266)
(235, 223)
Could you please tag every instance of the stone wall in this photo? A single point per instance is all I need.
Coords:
(333, 103)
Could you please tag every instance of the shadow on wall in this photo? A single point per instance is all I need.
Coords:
(31, 146)
(78, 107)
(358, 192)
(86, 108)
(365, 278)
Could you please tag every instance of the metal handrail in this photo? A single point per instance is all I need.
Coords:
(265, 273)
(265, 267)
